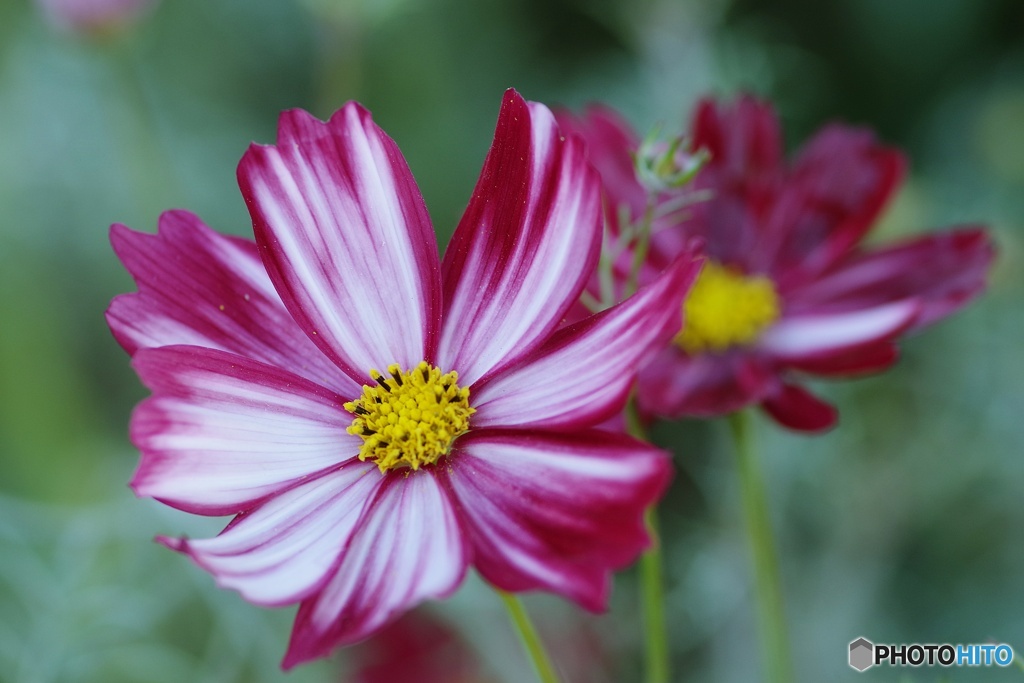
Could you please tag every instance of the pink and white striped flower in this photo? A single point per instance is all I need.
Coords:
(375, 418)
(788, 290)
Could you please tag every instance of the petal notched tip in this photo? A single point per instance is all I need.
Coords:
(296, 126)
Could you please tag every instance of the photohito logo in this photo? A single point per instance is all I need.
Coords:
(864, 654)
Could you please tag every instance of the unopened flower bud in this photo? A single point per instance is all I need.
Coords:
(663, 165)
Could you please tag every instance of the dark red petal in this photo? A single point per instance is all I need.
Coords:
(418, 648)
(795, 407)
(675, 385)
(838, 186)
(743, 138)
(611, 143)
(859, 361)
(943, 271)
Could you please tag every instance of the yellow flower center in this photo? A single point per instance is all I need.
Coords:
(726, 308)
(409, 418)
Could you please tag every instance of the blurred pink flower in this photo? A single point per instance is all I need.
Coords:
(359, 492)
(417, 647)
(92, 16)
(421, 647)
(788, 290)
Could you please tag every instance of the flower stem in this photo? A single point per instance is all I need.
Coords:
(771, 616)
(652, 583)
(652, 588)
(528, 635)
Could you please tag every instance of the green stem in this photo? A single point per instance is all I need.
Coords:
(652, 582)
(528, 635)
(1018, 661)
(771, 615)
(640, 251)
(652, 588)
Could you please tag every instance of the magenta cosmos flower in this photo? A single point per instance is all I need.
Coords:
(378, 419)
(92, 16)
(787, 290)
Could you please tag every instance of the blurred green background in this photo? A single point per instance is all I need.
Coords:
(905, 524)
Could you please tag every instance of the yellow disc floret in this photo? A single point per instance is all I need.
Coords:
(726, 308)
(409, 418)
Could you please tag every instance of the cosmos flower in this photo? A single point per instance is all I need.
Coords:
(788, 289)
(375, 418)
(93, 16)
(417, 647)
(425, 648)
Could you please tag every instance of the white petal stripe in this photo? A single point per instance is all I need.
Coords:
(407, 548)
(583, 374)
(221, 431)
(346, 238)
(806, 335)
(201, 288)
(283, 550)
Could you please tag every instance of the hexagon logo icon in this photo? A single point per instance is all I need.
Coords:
(862, 653)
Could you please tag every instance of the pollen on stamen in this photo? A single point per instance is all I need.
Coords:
(410, 418)
(726, 308)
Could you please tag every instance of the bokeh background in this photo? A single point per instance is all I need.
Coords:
(905, 524)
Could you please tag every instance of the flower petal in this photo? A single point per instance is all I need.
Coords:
(583, 374)
(859, 361)
(839, 184)
(346, 238)
(810, 336)
(675, 385)
(284, 549)
(205, 289)
(525, 247)
(795, 407)
(408, 548)
(222, 432)
(555, 511)
(743, 139)
(610, 146)
(944, 271)
(742, 177)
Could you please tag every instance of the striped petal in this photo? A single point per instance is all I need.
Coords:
(346, 238)
(525, 247)
(810, 336)
(944, 271)
(408, 548)
(285, 549)
(222, 432)
(583, 374)
(555, 511)
(205, 289)
(675, 385)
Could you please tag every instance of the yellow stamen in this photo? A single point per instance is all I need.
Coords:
(409, 418)
(726, 308)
